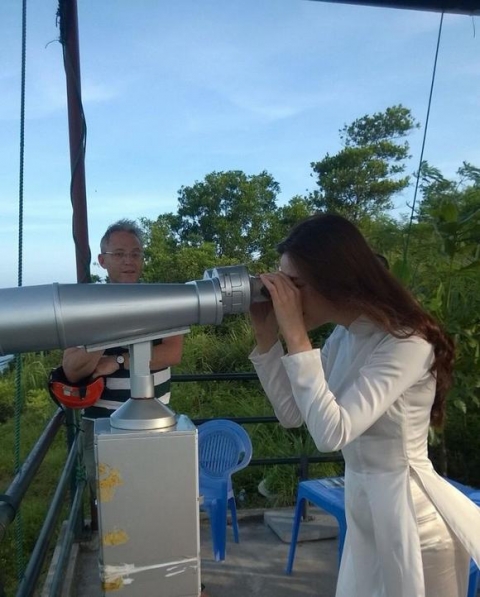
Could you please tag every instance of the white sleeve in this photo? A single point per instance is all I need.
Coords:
(276, 384)
(334, 421)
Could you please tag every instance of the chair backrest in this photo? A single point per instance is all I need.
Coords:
(475, 496)
(224, 447)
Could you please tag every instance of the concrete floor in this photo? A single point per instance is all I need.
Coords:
(254, 567)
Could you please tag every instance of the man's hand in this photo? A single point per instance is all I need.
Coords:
(78, 363)
(106, 366)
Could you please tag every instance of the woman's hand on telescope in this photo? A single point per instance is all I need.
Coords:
(264, 325)
(288, 308)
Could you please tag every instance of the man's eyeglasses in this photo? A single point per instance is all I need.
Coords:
(121, 255)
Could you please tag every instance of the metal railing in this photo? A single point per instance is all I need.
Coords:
(11, 500)
(303, 460)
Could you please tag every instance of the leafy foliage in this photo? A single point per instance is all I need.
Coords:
(228, 209)
(360, 180)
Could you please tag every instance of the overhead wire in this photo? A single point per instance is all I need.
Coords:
(425, 130)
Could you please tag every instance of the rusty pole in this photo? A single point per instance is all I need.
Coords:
(68, 19)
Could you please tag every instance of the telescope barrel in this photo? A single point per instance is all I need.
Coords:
(63, 315)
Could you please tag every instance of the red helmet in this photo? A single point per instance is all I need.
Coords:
(74, 395)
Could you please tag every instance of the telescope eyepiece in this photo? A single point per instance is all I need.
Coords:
(258, 292)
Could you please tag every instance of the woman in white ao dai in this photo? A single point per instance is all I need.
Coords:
(372, 391)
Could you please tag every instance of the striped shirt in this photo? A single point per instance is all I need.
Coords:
(117, 389)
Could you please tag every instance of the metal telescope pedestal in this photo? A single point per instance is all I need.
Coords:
(146, 455)
(147, 494)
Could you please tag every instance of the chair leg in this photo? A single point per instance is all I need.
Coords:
(342, 530)
(473, 580)
(233, 510)
(295, 530)
(218, 525)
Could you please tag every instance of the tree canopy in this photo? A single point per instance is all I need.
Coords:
(360, 180)
(230, 209)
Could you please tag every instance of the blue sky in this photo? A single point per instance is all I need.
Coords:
(175, 90)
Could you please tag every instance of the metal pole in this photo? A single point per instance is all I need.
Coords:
(68, 17)
(77, 132)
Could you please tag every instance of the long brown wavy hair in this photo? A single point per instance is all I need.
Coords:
(335, 259)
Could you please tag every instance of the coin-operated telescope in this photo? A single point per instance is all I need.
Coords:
(101, 316)
(146, 456)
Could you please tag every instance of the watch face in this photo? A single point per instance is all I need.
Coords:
(120, 359)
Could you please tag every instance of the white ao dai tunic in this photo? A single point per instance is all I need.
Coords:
(369, 394)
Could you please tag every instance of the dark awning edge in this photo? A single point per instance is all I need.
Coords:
(464, 7)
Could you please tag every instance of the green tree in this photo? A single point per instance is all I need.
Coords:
(456, 302)
(230, 209)
(463, 192)
(179, 248)
(167, 260)
(361, 179)
(278, 225)
(160, 249)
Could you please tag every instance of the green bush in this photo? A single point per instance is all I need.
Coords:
(7, 396)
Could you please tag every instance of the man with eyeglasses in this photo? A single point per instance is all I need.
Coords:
(121, 254)
(122, 257)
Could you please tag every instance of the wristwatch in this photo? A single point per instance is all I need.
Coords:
(121, 361)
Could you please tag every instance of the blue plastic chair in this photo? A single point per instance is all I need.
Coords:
(474, 575)
(474, 578)
(329, 495)
(224, 447)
